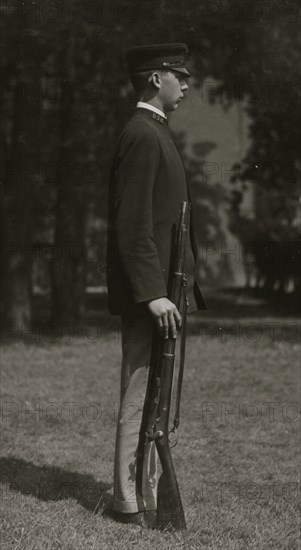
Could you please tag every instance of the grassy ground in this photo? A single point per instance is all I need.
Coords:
(237, 458)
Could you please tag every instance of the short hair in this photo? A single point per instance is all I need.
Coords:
(139, 80)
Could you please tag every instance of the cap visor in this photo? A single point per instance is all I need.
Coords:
(182, 71)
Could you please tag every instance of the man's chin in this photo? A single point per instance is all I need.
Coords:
(173, 107)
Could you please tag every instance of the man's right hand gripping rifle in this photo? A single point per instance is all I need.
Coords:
(166, 317)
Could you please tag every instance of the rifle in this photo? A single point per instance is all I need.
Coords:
(155, 418)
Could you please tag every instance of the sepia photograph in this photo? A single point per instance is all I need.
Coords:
(150, 270)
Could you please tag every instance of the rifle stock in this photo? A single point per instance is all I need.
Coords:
(155, 420)
(170, 511)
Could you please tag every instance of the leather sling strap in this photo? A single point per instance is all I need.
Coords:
(182, 357)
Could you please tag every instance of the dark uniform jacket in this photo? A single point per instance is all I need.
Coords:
(147, 187)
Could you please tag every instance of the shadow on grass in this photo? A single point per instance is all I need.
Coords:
(53, 483)
(248, 316)
(243, 302)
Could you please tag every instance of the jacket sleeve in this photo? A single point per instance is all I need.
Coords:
(136, 174)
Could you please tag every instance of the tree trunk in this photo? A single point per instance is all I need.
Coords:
(68, 269)
(18, 200)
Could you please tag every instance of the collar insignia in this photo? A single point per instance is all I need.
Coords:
(158, 118)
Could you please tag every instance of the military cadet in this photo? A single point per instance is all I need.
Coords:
(147, 187)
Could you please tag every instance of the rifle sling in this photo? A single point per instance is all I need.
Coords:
(182, 357)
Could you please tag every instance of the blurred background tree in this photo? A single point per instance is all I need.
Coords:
(65, 97)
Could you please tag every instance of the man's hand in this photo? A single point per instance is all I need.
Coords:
(166, 316)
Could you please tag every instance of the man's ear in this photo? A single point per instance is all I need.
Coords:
(155, 79)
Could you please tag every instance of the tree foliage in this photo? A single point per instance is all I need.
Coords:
(65, 97)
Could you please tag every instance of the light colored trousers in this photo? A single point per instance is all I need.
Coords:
(136, 334)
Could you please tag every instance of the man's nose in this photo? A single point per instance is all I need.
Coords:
(184, 87)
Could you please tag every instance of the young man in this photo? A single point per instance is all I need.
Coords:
(147, 188)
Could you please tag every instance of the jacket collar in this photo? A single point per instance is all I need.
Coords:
(154, 113)
(150, 107)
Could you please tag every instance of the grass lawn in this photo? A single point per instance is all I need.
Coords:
(237, 457)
